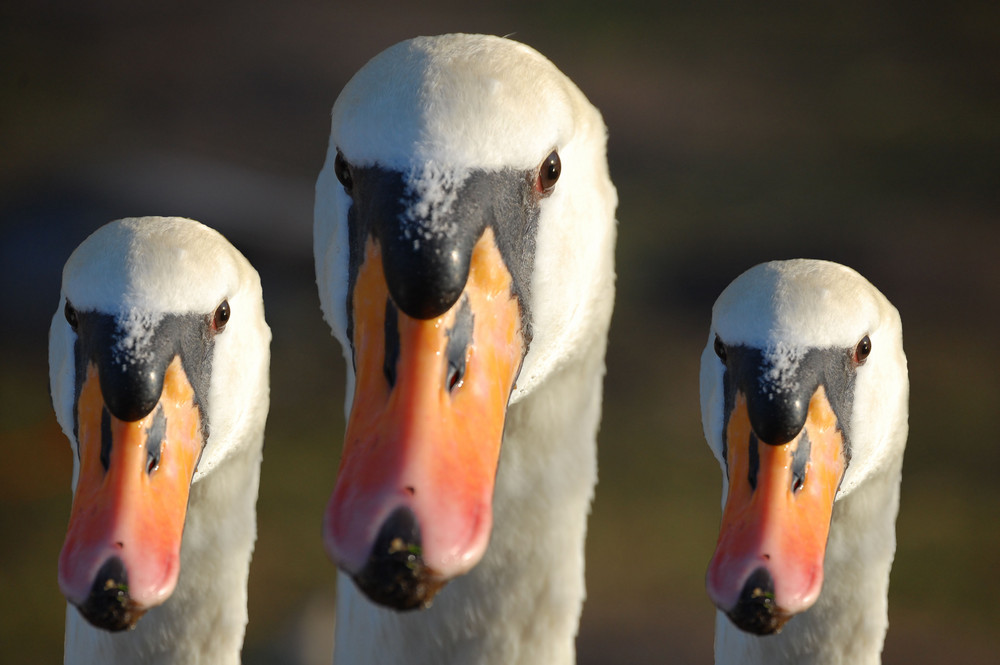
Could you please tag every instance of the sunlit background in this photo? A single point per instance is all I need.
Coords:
(852, 131)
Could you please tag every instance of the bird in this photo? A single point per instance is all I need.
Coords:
(158, 363)
(464, 246)
(804, 401)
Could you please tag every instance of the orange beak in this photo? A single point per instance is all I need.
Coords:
(777, 518)
(122, 550)
(426, 424)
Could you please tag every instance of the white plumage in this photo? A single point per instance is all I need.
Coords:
(140, 271)
(783, 309)
(436, 109)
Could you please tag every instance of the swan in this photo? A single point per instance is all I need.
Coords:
(464, 245)
(804, 402)
(158, 362)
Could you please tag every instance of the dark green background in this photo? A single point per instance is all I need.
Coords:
(863, 134)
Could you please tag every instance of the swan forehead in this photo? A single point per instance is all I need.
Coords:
(468, 101)
(142, 267)
(788, 306)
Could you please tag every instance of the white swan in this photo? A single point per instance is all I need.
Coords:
(464, 245)
(158, 361)
(804, 402)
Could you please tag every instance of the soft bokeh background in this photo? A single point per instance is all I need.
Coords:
(867, 133)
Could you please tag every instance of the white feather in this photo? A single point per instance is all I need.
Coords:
(786, 307)
(141, 269)
(440, 106)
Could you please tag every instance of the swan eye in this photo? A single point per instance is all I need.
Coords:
(71, 317)
(862, 350)
(221, 316)
(720, 349)
(343, 171)
(549, 172)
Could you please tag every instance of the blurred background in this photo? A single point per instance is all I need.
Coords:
(866, 133)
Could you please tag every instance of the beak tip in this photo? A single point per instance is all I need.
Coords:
(392, 573)
(112, 590)
(758, 607)
(109, 605)
(756, 610)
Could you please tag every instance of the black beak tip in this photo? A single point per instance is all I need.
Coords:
(756, 611)
(395, 575)
(109, 606)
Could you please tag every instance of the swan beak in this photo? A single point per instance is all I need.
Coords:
(122, 550)
(768, 562)
(412, 507)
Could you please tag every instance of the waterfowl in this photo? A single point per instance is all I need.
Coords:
(158, 362)
(464, 243)
(804, 395)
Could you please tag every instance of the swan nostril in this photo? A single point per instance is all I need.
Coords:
(154, 440)
(459, 340)
(455, 375)
(800, 461)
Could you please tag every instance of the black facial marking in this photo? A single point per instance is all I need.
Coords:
(459, 338)
(754, 466)
(154, 439)
(799, 460)
(105, 439)
(132, 382)
(426, 259)
(778, 411)
(391, 343)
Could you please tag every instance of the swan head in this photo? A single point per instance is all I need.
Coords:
(158, 362)
(804, 396)
(464, 189)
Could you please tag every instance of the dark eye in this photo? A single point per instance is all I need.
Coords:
(549, 172)
(71, 317)
(343, 171)
(221, 316)
(862, 350)
(720, 349)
